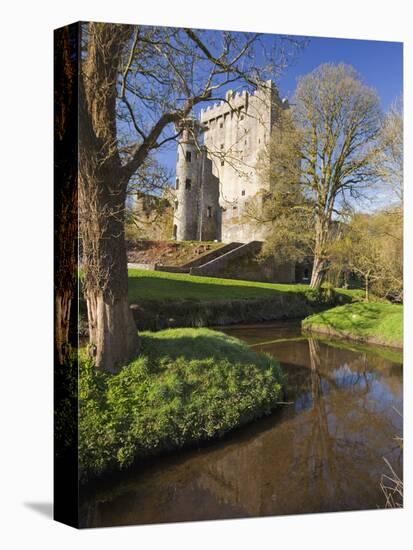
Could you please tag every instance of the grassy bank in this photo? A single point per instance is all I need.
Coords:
(157, 285)
(187, 385)
(376, 323)
(160, 300)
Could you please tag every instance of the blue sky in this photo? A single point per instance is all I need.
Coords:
(379, 63)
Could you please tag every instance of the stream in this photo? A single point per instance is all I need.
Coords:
(322, 451)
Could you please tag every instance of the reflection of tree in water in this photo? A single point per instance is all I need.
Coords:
(345, 432)
(322, 468)
(325, 454)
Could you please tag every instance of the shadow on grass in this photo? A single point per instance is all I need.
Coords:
(169, 288)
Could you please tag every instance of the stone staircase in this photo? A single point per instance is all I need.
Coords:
(214, 266)
(205, 258)
(210, 264)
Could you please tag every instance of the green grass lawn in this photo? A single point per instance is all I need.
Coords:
(187, 385)
(158, 285)
(377, 322)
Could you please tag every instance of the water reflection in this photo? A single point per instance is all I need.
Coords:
(324, 452)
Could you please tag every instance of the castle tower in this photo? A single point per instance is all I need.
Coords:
(196, 204)
(237, 130)
(216, 183)
(187, 182)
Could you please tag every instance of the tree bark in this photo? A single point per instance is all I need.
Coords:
(319, 263)
(63, 303)
(65, 186)
(113, 337)
(317, 275)
(367, 287)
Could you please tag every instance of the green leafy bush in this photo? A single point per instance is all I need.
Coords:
(322, 296)
(187, 385)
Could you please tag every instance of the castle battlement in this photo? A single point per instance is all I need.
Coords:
(214, 182)
(217, 109)
(256, 104)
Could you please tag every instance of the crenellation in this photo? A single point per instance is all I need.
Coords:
(235, 130)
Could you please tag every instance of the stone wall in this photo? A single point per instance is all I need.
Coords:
(237, 130)
(244, 263)
(153, 315)
(187, 186)
(266, 271)
(217, 266)
(217, 181)
(152, 218)
(209, 211)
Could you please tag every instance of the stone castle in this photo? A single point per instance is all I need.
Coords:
(216, 184)
(216, 173)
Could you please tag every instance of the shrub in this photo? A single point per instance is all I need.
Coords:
(322, 296)
(187, 385)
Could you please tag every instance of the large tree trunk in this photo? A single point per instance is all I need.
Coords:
(317, 275)
(113, 337)
(113, 334)
(65, 186)
(63, 303)
(320, 262)
(102, 194)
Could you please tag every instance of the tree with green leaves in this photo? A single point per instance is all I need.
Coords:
(371, 246)
(325, 150)
(284, 208)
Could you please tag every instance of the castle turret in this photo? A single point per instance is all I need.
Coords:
(196, 204)
(197, 213)
(187, 182)
(216, 183)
